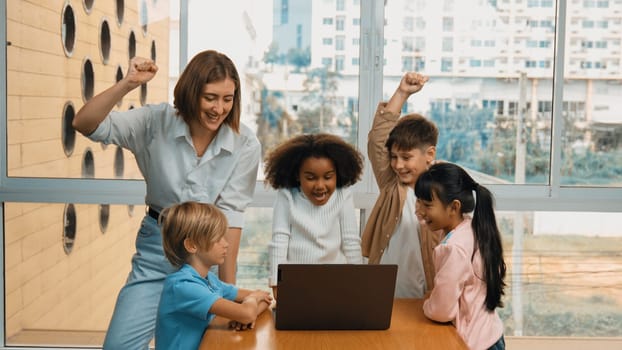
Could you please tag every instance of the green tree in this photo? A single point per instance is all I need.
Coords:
(271, 56)
(483, 141)
(463, 135)
(299, 58)
(321, 86)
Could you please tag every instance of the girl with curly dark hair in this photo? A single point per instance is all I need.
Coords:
(314, 220)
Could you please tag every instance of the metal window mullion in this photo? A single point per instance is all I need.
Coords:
(183, 35)
(557, 125)
(67, 190)
(371, 58)
(370, 80)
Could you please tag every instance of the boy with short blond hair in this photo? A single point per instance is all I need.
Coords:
(193, 238)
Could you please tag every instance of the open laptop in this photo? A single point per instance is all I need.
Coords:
(334, 296)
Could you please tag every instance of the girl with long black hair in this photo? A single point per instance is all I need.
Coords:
(469, 264)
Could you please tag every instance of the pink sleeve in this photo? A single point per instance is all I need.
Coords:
(452, 270)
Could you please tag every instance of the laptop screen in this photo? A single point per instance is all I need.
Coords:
(335, 296)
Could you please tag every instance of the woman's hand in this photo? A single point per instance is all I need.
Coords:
(140, 71)
(94, 111)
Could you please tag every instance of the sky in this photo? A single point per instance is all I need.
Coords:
(221, 25)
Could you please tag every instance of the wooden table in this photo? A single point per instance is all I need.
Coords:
(410, 329)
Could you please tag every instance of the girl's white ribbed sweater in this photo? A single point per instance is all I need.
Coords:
(305, 233)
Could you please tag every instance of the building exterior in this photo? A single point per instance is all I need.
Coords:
(475, 56)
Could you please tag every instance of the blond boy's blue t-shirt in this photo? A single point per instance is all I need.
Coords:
(183, 312)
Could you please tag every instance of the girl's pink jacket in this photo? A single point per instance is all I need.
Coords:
(459, 290)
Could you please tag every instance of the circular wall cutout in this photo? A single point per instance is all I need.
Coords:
(104, 41)
(68, 30)
(143, 94)
(69, 227)
(68, 135)
(153, 50)
(88, 5)
(119, 74)
(131, 48)
(88, 164)
(87, 80)
(120, 11)
(118, 77)
(104, 217)
(119, 163)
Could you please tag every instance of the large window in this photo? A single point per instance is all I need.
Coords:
(528, 105)
(512, 123)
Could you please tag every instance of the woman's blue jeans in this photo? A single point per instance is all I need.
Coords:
(133, 322)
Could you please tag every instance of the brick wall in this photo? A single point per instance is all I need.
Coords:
(46, 288)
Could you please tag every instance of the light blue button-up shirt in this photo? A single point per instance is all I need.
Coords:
(161, 143)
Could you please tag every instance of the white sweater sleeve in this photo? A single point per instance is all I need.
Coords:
(350, 239)
(281, 233)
